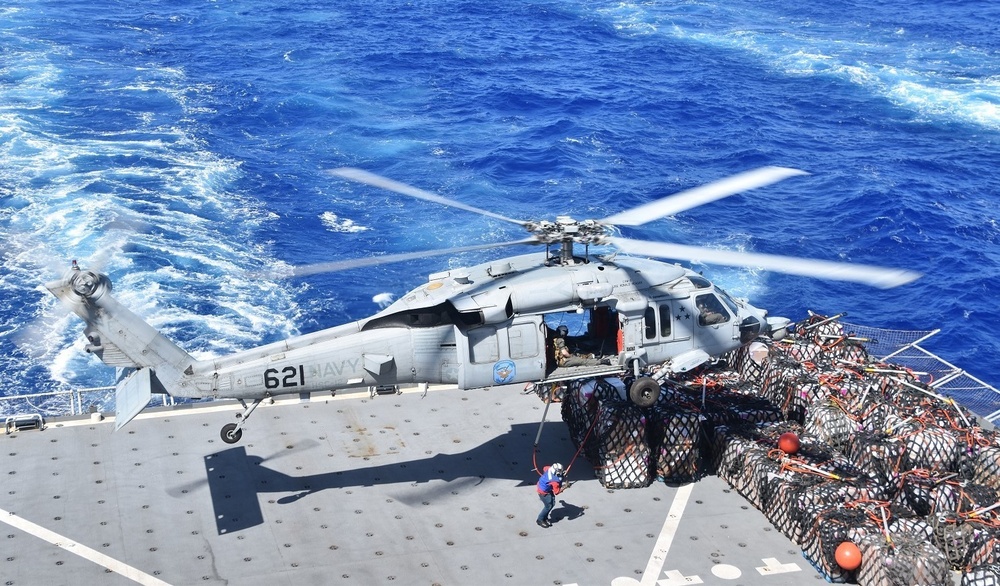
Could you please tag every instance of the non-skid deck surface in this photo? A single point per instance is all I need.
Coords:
(429, 487)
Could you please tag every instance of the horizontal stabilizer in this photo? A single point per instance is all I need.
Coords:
(132, 395)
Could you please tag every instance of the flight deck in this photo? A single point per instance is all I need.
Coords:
(429, 486)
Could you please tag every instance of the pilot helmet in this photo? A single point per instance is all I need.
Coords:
(557, 469)
(563, 331)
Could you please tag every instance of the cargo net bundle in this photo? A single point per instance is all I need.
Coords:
(882, 460)
(629, 446)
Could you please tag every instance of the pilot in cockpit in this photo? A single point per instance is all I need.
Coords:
(709, 312)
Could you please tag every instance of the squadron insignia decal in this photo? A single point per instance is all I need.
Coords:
(504, 372)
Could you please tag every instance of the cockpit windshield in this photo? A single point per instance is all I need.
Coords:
(729, 301)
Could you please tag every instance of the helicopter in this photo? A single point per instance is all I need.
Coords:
(488, 324)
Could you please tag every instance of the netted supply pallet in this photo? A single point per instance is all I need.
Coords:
(833, 340)
(957, 538)
(814, 501)
(887, 537)
(753, 361)
(874, 417)
(580, 415)
(918, 490)
(742, 450)
(674, 434)
(623, 456)
(610, 431)
(790, 386)
(713, 446)
(880, 455)
(832, 526)
(580, 409)
(982, 575)
(803, 350)
(735, 447)
(932, 448)
(986, 551)
(846, 350)
(779, 500)
(985, 462)
(828, 420)
(748, 469)
(723, 406)
(890, 380)
(962, 519)
(967, 499)
(906, 559)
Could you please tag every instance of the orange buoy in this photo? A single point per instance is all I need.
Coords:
(848, 556)
(788, 443)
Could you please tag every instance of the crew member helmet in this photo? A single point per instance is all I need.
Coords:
(557, 469)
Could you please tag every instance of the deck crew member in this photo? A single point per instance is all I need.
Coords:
(549, 485)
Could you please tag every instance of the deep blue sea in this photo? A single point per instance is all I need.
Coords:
(181, 146)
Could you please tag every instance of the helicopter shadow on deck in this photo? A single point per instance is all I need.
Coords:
(237, 479)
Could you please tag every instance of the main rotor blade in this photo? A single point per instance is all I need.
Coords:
(690, 198)
(341, 265)
(881, 277)
(362, 176)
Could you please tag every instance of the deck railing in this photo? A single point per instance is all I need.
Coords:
(67, 402)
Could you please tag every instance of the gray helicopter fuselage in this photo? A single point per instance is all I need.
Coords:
(485, 325)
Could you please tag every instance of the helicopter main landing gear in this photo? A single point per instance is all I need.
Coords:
(644, 391)
(232, 432)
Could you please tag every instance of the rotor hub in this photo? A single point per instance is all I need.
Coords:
(566, 230)
(87, 284)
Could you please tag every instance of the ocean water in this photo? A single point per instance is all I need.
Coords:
(181, 146)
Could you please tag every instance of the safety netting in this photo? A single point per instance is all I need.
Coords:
(881, 459)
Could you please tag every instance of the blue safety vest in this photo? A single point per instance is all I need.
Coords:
(548, 477)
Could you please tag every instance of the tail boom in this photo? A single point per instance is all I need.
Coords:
(122, 339)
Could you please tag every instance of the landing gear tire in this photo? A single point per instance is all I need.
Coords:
(644, 391)
(230, 434)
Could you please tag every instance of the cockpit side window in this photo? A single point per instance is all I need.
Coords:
(710, 310)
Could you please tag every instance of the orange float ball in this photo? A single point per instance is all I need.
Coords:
(788, 443)
(848, 556)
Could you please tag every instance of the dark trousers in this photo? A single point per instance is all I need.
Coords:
(549, 500)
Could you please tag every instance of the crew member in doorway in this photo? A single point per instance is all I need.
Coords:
(549, 485)
(566, 358)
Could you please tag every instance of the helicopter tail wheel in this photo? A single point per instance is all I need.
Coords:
(644, 391)
(231, 433)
